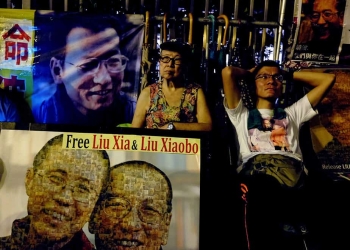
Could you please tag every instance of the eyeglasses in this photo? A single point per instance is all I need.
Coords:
(114, 64)
(81, 191)
(166, 59)
(326, 15)
(276, 77)
(119, 208)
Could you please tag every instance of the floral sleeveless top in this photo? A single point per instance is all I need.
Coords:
(160, 113)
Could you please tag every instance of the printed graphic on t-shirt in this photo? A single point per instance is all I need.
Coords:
(270, 135)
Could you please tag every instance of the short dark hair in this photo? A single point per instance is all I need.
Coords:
(65, 22)
(184, 49)
(41, 156)
(340, 4)
(266, 63)
(136, 163)
(133, 163)
(249, 85)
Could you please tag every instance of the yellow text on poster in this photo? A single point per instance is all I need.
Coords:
(157, 144)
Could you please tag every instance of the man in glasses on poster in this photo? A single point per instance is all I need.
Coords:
(135, 211)
(89, 73)
(321, 29)
(62, 187)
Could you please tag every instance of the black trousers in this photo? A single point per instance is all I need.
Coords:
(268, 210)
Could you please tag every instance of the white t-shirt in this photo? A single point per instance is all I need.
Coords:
(270, 134)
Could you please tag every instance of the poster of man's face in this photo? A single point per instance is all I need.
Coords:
(90, 63)
(110, 199)
(73, 67)
(136, 209)
(320, 32)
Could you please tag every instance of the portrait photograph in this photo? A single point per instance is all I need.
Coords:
(72, 67)
(320, 30)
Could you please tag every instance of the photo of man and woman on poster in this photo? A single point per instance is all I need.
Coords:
(63, 198)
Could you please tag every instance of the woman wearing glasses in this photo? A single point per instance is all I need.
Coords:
(173, 103)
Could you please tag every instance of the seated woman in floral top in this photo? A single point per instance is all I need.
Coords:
(173, 103)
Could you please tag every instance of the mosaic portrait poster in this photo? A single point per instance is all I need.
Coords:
(99, 190)
(72, 67)
(330, 130)
(321, 34)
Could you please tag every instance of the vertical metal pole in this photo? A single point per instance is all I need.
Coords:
(275, 42)
(251, 8)
(277, 46)
(65, 5)
(155, 27)
(263, 38)
(234, 35)
(127, 5)
(50, 5)
(164, 25)
(206, 45)
(219, 39)
(236, 9)
(174, 5)
(207, 37)
(206, 10)
(190, 28)
(251, 13)
(221, 9)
